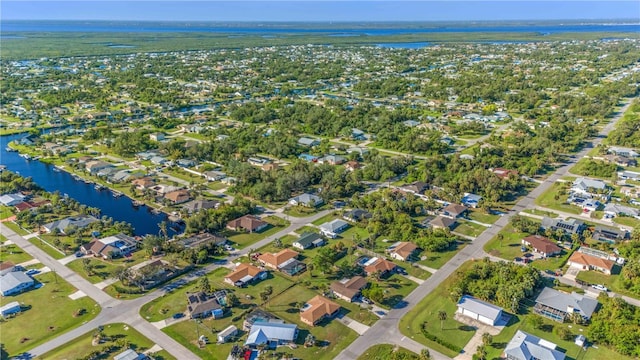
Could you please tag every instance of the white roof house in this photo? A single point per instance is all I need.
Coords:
(524, 346)
(15, 282)
(306, 200)
(271, 333)
(333, 228)
(227, 333)
(586, 186)
(612, 209)
(11, 199)
(129, 354)
(479, 310)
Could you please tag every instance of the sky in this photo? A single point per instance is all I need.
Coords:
(308, 10)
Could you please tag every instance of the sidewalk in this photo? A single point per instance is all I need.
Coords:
(360, 328)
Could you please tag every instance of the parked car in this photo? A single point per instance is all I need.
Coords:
(367, 301)
(32, 272)
(599, 287)
(178, 315)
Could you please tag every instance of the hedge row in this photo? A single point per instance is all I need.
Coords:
(436, 339)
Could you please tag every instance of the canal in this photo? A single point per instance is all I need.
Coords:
(120, 208)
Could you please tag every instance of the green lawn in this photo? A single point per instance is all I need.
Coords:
(426, 312)
(387, 352)
(547, 199)
(186, 332)
(50, 313)
(550, 214)
(216, 185)
(13, 254)
(5, 212)
(395, 288)
(241, 240)
(613, 282)
(307, 228)
(628, 221)
(81, 346)
(509, 247)
(102, 269)
(300, 211)
(481, 216)
(437, 259)
(326, 218)
(54, 253)
(468, 228)
(16, 228)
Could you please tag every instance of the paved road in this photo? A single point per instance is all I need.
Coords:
(387, 328)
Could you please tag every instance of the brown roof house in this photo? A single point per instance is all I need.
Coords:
(178, 196)
(245, 274)
(348, 289)
(441, 222)
(542, 245)
(454, 211)
(284, 260)
(378, 265)
(143, 183)
(402, 250)
(317, 309)
(247, 223)
(588, 262)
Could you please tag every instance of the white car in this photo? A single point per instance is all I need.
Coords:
(599, 287)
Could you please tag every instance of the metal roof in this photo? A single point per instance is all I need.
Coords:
(526, 346)
(480, 307)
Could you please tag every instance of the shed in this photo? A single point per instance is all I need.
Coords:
(227, 333)
(479, 310)
(10, 308)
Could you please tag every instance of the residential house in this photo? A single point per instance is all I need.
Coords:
(7, 267)
(479, 310)
(308, 240)
(332, 228)
(202, 204)
(358, 135)
(201, 239)
(143, 183)
(559, 306)
(80, 221)
(608, 234)
(214, 175)
(402, 250)
(308, 142)
(12, 199)
(622, 151)
(247, 223)
(524, 346)
(157, 136)
(272, 166)
(200, 305)
(271, 334)
(471, 200)
(111, 246)
(279, 259)
(227, 334)
(584, 261)
(569, 226)
(352, 165)
(308, 200)
(588, 187)
(258, 161)
(15, 282)
(178, 196)
(185, 163)
(94, 166)
(358, 150)
(357, 215)
(631, 191)
(130, 354)
(308, 157)
(259, 315)
(332, 159)
(245, 274)
(377, 265)
(158, 160)
(348, 289)
(621, 160)
(417, 187)
(629, 175)
(410, 123)
(454, 211)
(542, 245)
(317, 309)
(613, 210)
(504, 173)
(11, 308)
(441, 222)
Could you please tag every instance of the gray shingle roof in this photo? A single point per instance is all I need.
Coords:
(561, 301)
(526, 346)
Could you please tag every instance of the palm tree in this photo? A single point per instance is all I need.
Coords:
(425, 354)
(442, 315)
(487, 339)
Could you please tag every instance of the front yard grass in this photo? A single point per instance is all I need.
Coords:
(16, 228)
(14, 254)
(326, 218)
(481, 216)
(537, 212)
(436, 259)
(81, 346)
(53, 252)
(50, 312)
(300, 211)
(426, 312)
(242, 240)
(5, 212)
(469, 229)
(102, 269)
(386, 351)
(612, 282)
(548, 200)
(509, 247)
(627, 221)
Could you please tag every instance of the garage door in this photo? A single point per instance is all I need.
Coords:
(470, 314)
(485, 320)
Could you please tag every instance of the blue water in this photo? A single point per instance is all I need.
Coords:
(132, 26)
(410, 45)
(120, 209)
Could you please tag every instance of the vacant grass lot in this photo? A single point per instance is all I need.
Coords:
(426, 312)
(81, 346)
(16, 228)
(387, 352)
(481, 216)
(102, 269)
(628, 221)
(537, 212)
(13, 254)
(437, 259)
(612, 282)
(548, 200)
(50, 312)
(468, 228)
(53, 252)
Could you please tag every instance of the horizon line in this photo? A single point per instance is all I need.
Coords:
(632, 20)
